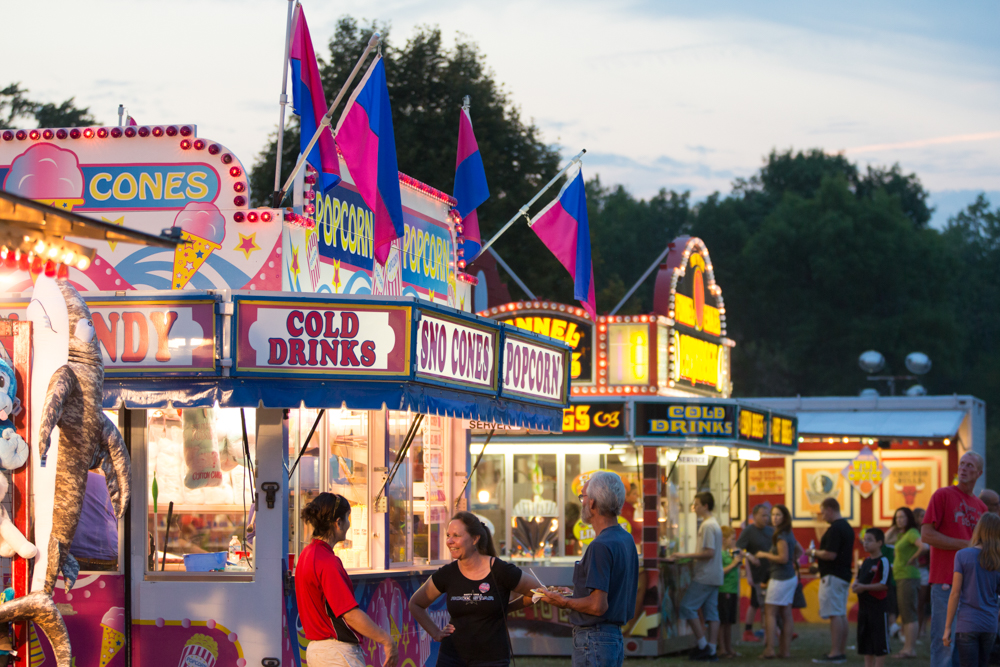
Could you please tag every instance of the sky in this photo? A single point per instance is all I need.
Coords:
(683, 96)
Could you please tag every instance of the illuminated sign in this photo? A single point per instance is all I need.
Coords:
(685, 420)
(289, 337)
(578, 334)
(865, 472)
(783, 431)
(456, 352)
(150, 178)
(149, 336)
(753, 425)
(697, 299)
(532, 369)
(594, 419)
(686, 292)
(697, 362)
(628, 354)
(344, 251)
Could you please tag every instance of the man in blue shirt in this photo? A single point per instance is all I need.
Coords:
(605, 580)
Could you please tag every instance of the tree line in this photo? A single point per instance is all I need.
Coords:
(818, 259)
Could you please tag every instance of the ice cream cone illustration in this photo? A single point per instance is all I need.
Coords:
(49, 175)
(203, 229)
(199, 651)
(112, 634)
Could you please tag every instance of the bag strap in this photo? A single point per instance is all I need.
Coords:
(503, 608)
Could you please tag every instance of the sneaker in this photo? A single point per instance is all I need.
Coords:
(830, 660)
(749, 636)
(698, 653)
(708, 656)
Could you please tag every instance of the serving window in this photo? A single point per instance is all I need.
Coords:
(336, 460)
(197, 460)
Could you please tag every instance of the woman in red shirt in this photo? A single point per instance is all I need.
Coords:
(331, 618)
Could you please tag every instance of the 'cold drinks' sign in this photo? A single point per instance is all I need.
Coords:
(312, 338)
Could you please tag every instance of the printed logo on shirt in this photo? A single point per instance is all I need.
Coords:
(472, 597)
(484, 588)
(966, 515)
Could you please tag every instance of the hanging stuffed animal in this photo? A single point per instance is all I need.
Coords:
(13, 448)
(87, 438)
(12, 540)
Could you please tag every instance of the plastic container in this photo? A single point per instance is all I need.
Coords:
(205, 562)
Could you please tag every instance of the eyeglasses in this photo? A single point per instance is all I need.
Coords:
(582, 496)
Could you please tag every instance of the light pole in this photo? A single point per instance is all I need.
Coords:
(917, 363)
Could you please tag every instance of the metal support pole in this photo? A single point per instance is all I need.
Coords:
(327, 117)
(283, 99)
(475, 466)
(511, 273)
(643, 279)
(524, 209)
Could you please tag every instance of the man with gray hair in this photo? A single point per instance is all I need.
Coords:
(604, 580)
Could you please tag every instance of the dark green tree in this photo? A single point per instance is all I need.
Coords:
(427, 83)
(16, 108)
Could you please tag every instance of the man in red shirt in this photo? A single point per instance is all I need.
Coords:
(952, 515)
(331, 618)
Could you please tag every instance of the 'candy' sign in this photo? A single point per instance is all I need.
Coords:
(458, 353)
(309, 338)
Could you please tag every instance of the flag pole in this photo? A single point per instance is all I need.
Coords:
(628, 295)
(283, 98)
(327, 117)
(524, 209)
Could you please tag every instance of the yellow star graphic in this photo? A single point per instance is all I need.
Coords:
(294, 268)
(120, 222)
(247, 244)
(335, 281)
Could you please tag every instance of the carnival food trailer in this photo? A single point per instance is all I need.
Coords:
(650, 401)
(262, 362)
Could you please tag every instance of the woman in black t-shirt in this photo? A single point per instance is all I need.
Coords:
(478, 588)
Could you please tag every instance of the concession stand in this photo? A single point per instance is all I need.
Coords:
(261, 362)
(873, 455)
(650, 401)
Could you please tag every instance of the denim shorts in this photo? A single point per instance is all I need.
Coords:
(598, 646)
(700, 596)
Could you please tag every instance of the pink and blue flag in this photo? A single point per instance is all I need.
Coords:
(367, 142)
(309, 103)
(564, 229)
(470, 185)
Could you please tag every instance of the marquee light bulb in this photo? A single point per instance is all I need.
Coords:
(40, 247)
(83, 263)
(53, 252)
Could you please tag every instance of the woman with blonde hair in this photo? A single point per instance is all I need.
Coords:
(976, 584)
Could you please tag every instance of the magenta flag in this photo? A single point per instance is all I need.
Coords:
(309, 104)
(565, 230)
(367, 141)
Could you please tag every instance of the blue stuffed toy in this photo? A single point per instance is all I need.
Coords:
(13, 448)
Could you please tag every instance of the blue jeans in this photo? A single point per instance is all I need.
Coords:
(941, 655)
(598, 646)
(974, 648)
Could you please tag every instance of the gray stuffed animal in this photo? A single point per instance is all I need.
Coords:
(87, 438)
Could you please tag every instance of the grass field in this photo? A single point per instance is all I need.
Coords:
(813, 641)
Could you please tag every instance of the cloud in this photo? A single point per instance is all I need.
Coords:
(923, 143)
